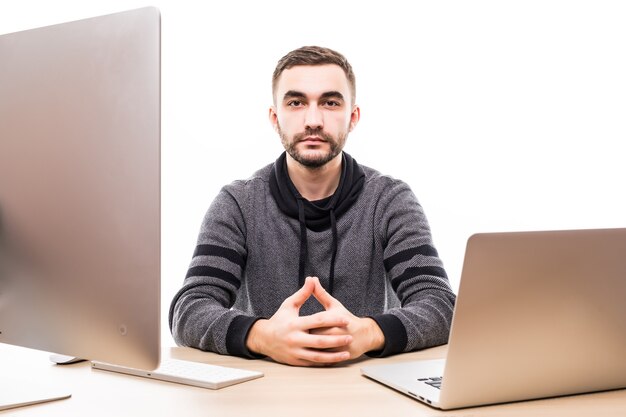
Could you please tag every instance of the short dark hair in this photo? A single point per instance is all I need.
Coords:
(314, 55)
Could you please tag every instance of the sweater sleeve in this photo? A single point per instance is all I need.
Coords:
(416, 274)
(201, 313)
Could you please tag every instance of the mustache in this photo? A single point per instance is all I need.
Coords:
(313, 132)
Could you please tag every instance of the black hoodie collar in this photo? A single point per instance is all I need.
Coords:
(317, 217)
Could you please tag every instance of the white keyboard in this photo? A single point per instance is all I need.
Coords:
(187, 372)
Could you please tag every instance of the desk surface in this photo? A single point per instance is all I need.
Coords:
(283, 391)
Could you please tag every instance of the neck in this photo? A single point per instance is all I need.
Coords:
(315, 183)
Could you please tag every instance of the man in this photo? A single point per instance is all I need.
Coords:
(253, 289)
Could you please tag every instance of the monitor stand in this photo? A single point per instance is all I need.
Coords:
(20, 393)
(22, 384)
(64, 359)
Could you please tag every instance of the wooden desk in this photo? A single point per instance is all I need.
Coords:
(283, 391)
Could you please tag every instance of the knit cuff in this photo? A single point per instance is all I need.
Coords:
(395, 335)
(237, 335)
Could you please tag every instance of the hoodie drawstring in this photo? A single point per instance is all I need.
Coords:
(303, 242)
(331, 275)
(304, 246)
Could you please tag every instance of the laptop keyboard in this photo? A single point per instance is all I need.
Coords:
(434, 381)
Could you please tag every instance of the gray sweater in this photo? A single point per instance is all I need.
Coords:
(248, 258)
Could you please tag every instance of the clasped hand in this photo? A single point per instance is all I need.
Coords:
(328, 337)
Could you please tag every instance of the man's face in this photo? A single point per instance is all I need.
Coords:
(313, 113)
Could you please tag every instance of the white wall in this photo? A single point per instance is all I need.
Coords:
(501, 115)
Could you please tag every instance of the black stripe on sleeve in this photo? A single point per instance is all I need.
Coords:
(209, 271)
(413, 272)
(214, 250)
(405, 255)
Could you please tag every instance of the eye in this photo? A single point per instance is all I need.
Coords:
(294, 103)
(332, 103)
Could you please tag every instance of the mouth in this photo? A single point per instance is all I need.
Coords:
(313, 139)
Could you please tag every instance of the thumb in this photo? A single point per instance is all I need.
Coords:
(298, 298)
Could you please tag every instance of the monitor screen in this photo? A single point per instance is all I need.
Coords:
(80, 188)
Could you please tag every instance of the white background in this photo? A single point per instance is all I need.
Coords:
(501, 115)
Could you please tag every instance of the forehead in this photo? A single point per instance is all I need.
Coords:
(313, 80)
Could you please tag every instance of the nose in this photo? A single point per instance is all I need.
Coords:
(314, 118)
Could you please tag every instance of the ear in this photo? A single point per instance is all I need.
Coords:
(355, 116)
(273, 117)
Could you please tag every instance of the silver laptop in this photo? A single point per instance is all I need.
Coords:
(538, 314)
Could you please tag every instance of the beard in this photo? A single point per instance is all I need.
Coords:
(319, 158)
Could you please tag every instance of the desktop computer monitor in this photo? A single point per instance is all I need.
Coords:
(80, 188)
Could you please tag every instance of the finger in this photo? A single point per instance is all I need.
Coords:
(302, 362)
(320, 357)
(314, 280)
(321, 320)
(297, 299)
(326, 300)
(329, 331)
(312, 341)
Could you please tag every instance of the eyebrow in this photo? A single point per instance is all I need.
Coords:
(333, 94)
(293, 94)
(327, 94)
